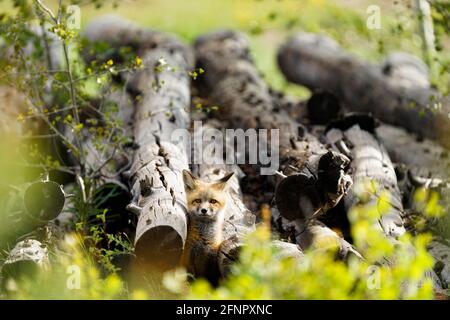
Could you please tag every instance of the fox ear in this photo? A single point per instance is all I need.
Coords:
(221, 184)
(190, 182)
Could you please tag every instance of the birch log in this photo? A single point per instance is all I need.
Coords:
(370, 163)
(319, 63)
(423, 157)
(244, 100)
(156, 173)
(25, 259)
(162, 101)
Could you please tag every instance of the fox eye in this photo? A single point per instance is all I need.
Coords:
(213, 201)
(197, 201)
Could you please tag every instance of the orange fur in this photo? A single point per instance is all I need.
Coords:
(206, 203)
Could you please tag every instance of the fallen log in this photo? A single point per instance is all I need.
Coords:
(319, 63)
(355, 135)
(244, 100)
(155, 177)
(29, 208)
(403, 70)
(441, 254)
(26, 259)
(419, 163)
(423, 157)
(373, 174)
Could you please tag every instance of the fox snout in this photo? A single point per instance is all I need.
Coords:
(205, 210)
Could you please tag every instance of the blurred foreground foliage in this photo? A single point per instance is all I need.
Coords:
(80, 270)
(390, 270)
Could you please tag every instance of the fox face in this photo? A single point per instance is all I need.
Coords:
(205, 200)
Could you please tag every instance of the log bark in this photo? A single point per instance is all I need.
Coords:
(156, 180)
(319, 63)
(419, 163)
(423, 157)
(26, 259)
(162, 101)
(244, 100)
(370, 163)
(441, 254)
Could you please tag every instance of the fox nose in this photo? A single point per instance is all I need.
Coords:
(204, 210)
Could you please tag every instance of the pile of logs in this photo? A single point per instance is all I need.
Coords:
(329, 145)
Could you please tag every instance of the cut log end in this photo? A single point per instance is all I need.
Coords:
(44, 200)
(301, 196)
(159, 248)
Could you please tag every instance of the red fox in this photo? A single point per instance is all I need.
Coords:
(206, 204)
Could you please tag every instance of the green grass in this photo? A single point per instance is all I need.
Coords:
(269, 22)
